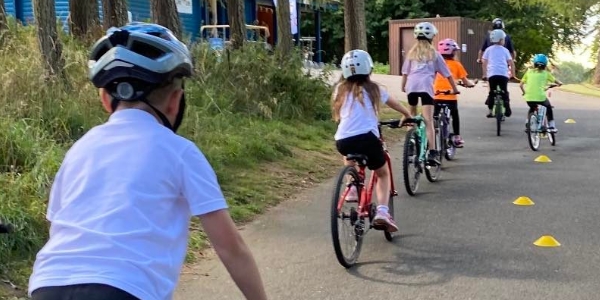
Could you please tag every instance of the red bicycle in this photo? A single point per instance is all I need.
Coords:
(358, 218)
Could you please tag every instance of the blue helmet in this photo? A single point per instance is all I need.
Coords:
(540, 60)
(142, 55)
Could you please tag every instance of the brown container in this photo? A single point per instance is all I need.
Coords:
(468, 33)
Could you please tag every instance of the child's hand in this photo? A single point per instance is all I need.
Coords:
(404, 89)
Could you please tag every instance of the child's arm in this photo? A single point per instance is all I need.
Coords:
(404, 76)
(467, 82)
(395, 105)
(234, 253)
(484, 64)
(453, 84)
(512, 66)
(521, 84)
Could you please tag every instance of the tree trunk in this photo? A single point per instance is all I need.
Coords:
(84, 17)
(50, 45)
(3, 22)
(284, 29)
(237, 23)
(355, 26)
(164, 12)
(114, 12)
(596, 79)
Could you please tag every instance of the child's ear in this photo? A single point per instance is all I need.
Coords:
(174, 101)
(106, 100)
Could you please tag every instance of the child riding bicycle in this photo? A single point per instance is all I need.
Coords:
(447, 48)
(496, 61)
(355, 105)
(121, 202)
(418, 74)
(536, 80)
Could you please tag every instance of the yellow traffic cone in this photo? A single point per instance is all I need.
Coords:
(543, 159)
(546, 241)
(523, 201)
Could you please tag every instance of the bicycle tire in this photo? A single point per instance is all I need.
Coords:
(498, 113)
(411, 190)
(552, 138)
(389, 236)
(535, 146)
(342, 259)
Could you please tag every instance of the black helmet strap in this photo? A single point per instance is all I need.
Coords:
(142, 98)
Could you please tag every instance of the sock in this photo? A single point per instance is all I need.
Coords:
(551, 124)
(383, 208)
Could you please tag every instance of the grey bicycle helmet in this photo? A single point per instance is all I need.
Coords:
(133, 60)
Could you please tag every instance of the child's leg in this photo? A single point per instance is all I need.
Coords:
(373, 148)
(428, 115)
(549, 110)
(550, 116)
(455, 117)
(493, 83)
(413, 101)
(503, 82)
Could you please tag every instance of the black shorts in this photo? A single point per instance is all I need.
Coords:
(366, 144)
(81, 292)
(413, 99)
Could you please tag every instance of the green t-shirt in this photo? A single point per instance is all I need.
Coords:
(535, 82)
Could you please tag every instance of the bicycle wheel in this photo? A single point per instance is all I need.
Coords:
(390, 235)
(352, 227)
(533, 136)
(552, 138)
(450, 151)
(499, 114)
(433, 172)
(410, 162)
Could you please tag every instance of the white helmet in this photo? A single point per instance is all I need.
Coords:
(425, 30)
(497, 35)
(356, 62)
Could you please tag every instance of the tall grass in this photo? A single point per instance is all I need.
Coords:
(243, 112)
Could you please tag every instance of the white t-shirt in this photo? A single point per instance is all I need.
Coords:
(497, 57)
(120, 208)
(356, 119)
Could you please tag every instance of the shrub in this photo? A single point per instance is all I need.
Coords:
(242, 111)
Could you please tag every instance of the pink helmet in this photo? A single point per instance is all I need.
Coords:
(447, 46)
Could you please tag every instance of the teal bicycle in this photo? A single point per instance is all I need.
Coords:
(537, 126)
(414, 161)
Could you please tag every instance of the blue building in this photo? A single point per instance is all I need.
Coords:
(196, 13)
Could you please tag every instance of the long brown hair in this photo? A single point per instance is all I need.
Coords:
(354, 86)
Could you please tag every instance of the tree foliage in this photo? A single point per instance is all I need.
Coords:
(532, 24)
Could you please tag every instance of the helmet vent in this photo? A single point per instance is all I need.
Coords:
(146, 50)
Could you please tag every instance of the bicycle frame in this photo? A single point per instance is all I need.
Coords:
(444, 119)
(421, 132)
(542, 121)
(367, 194)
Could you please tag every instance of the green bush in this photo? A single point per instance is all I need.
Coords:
(246, 110)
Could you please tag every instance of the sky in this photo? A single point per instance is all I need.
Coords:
(581, 53)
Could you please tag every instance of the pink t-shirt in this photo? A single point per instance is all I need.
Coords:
(421, 74)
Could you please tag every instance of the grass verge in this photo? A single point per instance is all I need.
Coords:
(263, 126)
(582, 89)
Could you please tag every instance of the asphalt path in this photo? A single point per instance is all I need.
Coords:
(460, 238)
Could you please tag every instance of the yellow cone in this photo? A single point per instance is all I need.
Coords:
(570, 121)
(523, 201)
(547, 241)
(543, 159)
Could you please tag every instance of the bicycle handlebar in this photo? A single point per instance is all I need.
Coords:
(446, 92)
(552, 86)
(391, 123)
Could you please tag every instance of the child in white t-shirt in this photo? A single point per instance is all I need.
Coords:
(355, 105)
(496, 62)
